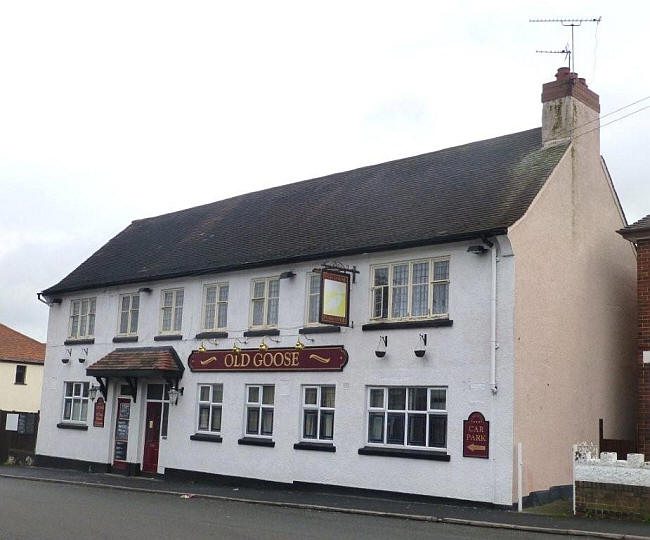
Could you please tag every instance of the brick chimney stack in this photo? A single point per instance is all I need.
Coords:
(639, 233)
(569, 108)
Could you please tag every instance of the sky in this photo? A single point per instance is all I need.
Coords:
(115, 111)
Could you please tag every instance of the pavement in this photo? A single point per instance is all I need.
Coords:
(380, 507)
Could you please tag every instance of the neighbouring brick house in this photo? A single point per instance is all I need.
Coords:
(639, 233)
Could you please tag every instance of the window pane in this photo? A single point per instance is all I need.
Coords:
(178, 317)
(253, 394)
(437, 431)
(438, 398)
(420, 272)
(84, 410)
(74, 331)
(68, 389)
(376, 427)
(267, 421)
(135, 302)
(314, 284)
(274, 288)
(377, 397)
(258, 289)
(420, 300)
(258, 312)
(252, 419)
(75, 307)
(222, 320)
(327, 396)
(268, 393)
(154, 391)
(204, 393)
(85, 389)
(216, 418)
(380, 302)
(401, 274)
(311, 396)
(381, 276)
(210, 295)
(82, 325)
(208, 316)
(67, 409)
(204, 417)
(168, 298)
(417, 429)
(309, 429)
(440, 270)
(165, 420)
(417, 399)
(223, 293)
(76, 389)
(397, 398)
(327, 425)
(76, 409)
(134, 321)
(167, 319)
(272, 312)
(93, 303)
(440, 298)
(217, 393)
(400, 302)
(84, 307)
(395, 428)
(126, 300)
(91, 325)
(179, 298)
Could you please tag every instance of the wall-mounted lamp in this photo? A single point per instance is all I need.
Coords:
(477, 249)
(201, 347)
(145, 289)
(287, 275)
(299, 344)
(174, 393)
(380, 351)
(263, 346)
(92, 392)
(422, 346)
(235, 346)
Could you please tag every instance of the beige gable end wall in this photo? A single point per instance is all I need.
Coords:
(20, 397)
(574, 318)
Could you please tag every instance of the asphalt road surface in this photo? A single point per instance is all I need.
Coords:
(41, 510)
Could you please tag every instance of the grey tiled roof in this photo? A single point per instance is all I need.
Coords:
(640, 226)
(441, 196)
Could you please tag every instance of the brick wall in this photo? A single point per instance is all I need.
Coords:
(643, 284)
(616, 500)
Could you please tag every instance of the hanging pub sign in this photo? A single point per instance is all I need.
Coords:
(335, 298)
(307, 359)
(100, 410)
(476, 436)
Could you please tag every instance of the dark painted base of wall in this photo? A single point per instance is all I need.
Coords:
(74, 464)
(538, 498)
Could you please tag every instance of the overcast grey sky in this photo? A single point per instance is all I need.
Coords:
(115, 111)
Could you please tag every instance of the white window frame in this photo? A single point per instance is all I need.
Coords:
(81, 385)
(260, 406)
(173, 308)
(428, 413)
(218, 286)
(266, 297)
(211, 404)
(319, 409)
(431, 283)
(308, 299)
(75, 328)
(129, 312)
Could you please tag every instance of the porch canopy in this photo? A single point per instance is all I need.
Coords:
(131, 363)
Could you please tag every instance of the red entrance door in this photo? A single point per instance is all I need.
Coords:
(152, 438)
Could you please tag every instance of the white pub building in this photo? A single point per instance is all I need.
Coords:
(475, 290)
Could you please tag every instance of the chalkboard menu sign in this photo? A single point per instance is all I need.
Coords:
(100, 410)
(122, 430)
(120, 450)
(125, 410)
(26, 423)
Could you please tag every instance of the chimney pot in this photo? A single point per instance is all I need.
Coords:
(562, 73)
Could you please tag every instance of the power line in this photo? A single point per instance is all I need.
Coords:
(610, 113)
(613, 121)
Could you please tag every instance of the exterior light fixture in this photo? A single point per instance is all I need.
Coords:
(264, 346)
(477, 250)
(174, 393)
(201, 347)
(422, 346)
(236, 349)
(299, 344)
(380, 351)
(92, 392)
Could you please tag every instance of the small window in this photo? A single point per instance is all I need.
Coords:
(210, 407)
(318, 413)
(21, 372)
(75, 402)
(259, 410)
(82, 317)
(265, 297)
(408, 416)
(129, 310)
(215, 306)
(171, 316)
(313, 298)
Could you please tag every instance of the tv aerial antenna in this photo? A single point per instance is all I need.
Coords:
(569, 23)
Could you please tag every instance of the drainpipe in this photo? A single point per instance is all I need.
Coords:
(493, 337)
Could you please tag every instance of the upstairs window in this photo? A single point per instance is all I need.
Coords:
(265, 297)
(412, 289)
(171, 316)
(313, 298)
(215, 306)
(82, 317)
(21, 371)
(129, 310)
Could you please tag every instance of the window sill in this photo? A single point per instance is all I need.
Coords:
(317, 446)
(262, 332)
(125, 339)
(211, 335)
(256, 441)
(168, 337)
(396, 325)
(20, 383)
(404, 453)
(206, 437)
(66, 425)
(79, 341)
(319, 329)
